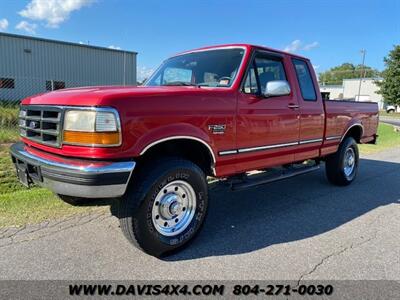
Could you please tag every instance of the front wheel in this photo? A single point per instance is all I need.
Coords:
(342, 166)
(165, 206)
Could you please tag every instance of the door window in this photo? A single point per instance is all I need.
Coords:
(262, 71)
(269, 70)
(305, 80)
(250, 84)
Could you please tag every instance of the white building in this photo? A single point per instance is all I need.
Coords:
(332, 91)
(350, 89)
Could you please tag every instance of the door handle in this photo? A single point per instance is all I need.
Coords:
(293, 106)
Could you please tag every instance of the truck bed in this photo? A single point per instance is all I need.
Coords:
(341, 114)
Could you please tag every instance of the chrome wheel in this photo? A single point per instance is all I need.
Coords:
(174, 208)
(349, 162)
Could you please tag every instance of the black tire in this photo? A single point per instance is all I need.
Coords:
(390, 111)
(335, 164)
(136, 207)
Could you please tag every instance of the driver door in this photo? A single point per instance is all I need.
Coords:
(267, 127)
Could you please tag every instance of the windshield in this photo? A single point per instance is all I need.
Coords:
(216, 68)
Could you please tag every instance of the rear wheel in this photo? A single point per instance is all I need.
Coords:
(390, 111)
(165, 206)
(342, 166)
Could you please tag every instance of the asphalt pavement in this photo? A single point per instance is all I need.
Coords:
(390, 120)
(302, 228)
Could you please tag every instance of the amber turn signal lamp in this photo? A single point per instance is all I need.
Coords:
(91, 138)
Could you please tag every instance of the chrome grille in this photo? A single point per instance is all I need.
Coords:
(41, 124)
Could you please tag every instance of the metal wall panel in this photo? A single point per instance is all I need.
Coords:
(33, 61)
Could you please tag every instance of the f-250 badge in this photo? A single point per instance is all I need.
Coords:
(217, 128)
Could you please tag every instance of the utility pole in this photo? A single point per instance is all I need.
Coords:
(361, 73)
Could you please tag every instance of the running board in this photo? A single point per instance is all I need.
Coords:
(248, 182)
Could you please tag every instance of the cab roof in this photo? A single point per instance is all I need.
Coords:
(246, 46)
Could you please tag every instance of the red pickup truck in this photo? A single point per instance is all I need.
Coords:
(219, 111)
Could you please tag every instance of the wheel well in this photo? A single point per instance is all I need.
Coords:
(355, 132)
(192, 150)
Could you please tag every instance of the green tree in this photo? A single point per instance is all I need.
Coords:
(336, 74)
(390, 85)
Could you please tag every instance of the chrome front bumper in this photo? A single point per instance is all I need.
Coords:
(72, 177)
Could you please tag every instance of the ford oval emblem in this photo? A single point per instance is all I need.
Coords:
(33, 124)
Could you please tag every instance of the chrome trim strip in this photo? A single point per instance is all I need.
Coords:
(227, 152)
(243, 150)
(86, 166)
(357, 124)
(336, 137)
(183, 137)
(310, 141)
(266, 147)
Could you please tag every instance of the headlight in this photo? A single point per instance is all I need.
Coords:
(98, 127)
(80, 120)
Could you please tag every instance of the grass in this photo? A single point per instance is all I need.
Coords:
(388, 138)
(20, 206)
(9, 135)
(8, 116)
(383, 113)
(8, 180)
(34, 206)
(8, 124)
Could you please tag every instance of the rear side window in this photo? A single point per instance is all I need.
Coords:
(305, 80)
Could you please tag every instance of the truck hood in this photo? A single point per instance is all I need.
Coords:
(105, 95)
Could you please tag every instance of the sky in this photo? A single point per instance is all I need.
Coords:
(328, 32)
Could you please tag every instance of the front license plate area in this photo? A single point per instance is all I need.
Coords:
(27, 173)
(23, 176)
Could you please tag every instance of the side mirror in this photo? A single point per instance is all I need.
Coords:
(277, 88)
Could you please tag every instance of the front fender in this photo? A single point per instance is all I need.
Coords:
(168, 132)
